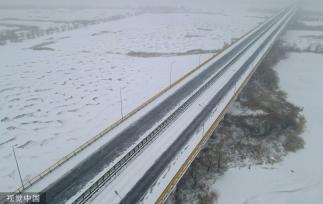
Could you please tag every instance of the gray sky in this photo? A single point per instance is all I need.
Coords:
(207, 4)
(127, 3)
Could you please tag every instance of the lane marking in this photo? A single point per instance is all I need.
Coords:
(69, 156)
(172, 184)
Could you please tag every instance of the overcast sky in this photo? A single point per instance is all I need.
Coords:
(124, 3)
(147, 3)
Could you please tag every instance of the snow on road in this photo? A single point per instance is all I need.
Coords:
(58, 91)
(299, 178)
(126, 180)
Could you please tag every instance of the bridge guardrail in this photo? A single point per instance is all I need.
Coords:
(114, 170)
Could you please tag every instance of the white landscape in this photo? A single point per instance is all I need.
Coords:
(59, 90)
(298, 178)
(63, 87)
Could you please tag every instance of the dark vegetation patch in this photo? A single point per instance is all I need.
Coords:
(245, 140)
(204, 29)
(169, 54)
(20, 32)
(42, 46)
(193, 36)
(102, 33)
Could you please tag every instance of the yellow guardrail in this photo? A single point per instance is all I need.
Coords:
(172, 184)
(118, 122)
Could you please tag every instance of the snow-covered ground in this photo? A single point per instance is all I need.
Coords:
(26, 15)
(299, 178)
(127, 178)
(304, 40)
(307, 34)
(58, 91)
(318, 22)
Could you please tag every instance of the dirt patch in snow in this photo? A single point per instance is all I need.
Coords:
(267, 129)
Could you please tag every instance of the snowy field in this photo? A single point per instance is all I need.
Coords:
(25, 15)
(21, 24)
(58, 91)
(299, 178)
(304, 40)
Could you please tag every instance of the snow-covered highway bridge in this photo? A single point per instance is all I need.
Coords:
(143, 157)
